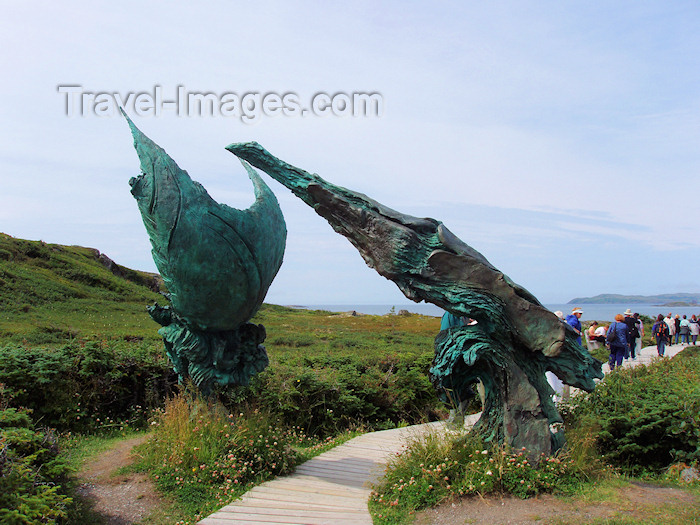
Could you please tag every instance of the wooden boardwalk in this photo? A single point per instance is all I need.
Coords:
(333, 488)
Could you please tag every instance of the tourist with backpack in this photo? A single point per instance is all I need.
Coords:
(661, 333)
(632, 334)
(617, 341)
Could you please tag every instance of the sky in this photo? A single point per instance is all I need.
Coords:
(559, 139)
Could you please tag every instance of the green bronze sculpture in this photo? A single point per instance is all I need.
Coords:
(217, 263)
(515, 341)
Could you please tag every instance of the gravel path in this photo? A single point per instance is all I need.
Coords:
(121, 499)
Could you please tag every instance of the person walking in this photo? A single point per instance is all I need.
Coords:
(574, 320)
(661, 333)
(640, 329)
(671, 327)
(694, 329)
(685, 330)
(617, 341)
(632, 334)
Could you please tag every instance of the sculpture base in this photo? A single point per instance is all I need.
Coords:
(228, 357)
(518, 407)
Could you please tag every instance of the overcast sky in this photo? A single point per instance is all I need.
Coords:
(560, 139)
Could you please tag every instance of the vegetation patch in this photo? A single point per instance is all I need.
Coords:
(34, 478)
(205, 457)
(440, 467)
(641, 421)
(645, 418)
(88, 386)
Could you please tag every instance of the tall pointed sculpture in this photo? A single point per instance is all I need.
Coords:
(516, 339)
(217, 263)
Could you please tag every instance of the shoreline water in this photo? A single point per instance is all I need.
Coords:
(598, 312)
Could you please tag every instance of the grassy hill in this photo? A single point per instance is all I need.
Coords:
(368, 368)
(50, 293)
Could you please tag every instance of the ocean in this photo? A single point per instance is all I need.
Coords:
(598, 312)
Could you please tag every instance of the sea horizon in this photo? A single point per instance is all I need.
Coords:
(598, 312)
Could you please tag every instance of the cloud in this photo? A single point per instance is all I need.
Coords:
(558, 139)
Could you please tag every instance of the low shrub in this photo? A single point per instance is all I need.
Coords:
(204, 456)
(333, 392)
(435, 468)
(33, 477)
(648, 416)
(86, 386)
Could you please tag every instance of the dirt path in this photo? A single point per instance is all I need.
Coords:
(635, 502)
(121, 499)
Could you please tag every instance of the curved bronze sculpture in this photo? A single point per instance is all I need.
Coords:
(217, 263)
(516, 339)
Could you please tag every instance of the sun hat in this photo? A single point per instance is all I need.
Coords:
(628, 312)
(577, 310)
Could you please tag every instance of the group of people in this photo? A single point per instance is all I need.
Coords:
(624, 335)
(666, 328)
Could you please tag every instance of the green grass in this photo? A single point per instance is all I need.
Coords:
(53, 293)
(79, 448)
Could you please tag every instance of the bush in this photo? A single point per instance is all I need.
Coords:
(435, 468)
(648, 416)
(206, 456)
(83, 387)
(335, 392)
(33, 478)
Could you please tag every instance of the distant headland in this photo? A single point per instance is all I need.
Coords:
(669, 299)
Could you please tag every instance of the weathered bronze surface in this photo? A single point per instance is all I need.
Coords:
(515, 339)
(217, 263)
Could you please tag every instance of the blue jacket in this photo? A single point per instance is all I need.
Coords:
(574, 321)
(450, 321)
(620, 329)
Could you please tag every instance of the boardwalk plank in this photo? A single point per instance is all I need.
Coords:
(331, 488)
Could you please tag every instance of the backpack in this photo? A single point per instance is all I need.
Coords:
(634, 331)
(661, 329)
(611, 336)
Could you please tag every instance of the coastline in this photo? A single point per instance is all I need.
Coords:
(598, 312)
